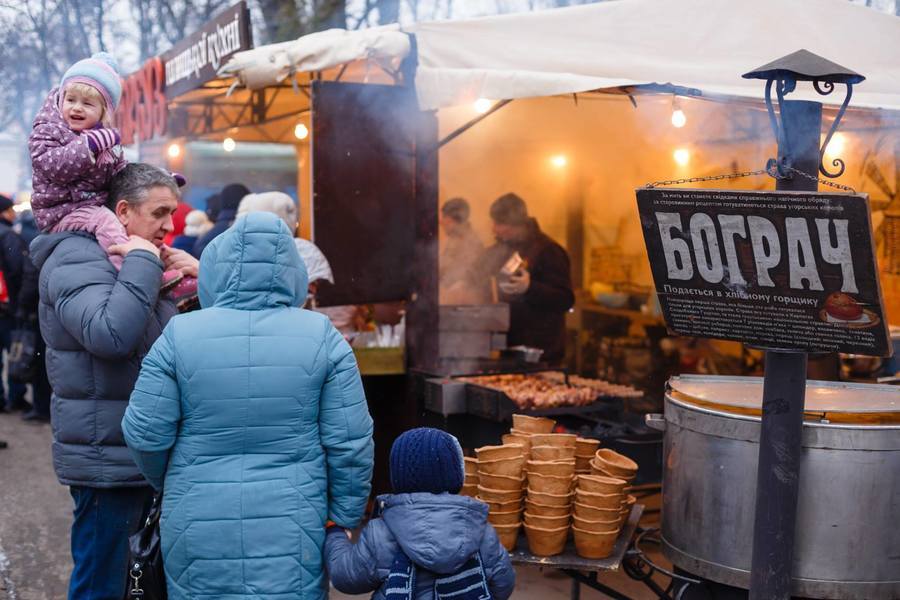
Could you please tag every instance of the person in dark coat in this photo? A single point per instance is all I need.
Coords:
(429, 540)
(99, 323)
(27, 316)
(222, 215)
(13, 256)
(540, 293)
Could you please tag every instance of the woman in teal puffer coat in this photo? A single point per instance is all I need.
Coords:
(252, 412)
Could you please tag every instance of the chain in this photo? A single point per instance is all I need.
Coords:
(839, 186)
(772, 172)
(708, 178)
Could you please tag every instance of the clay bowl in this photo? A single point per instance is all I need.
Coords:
(495, 506)
(550, 453)
(510, 467)
(546, 522)
(471, 465)
(533, 424)
(511, 517)
(596, 526)
(566, 440)
(603, 471)
(501, 482)
(601, 485)
(616, 464)
(582, 464)
(470, 489)
(510, 439)
(557, 468)
(545, 510)
(492, 495)
(546, 542)
(590, 513)
(508, 534)
(613, 501)
(491, 453)
(594, 545)
(471, 480)
(549, 484)
(586, 446)
(551, 499)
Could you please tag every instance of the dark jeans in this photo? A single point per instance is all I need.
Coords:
(15, 392)
(104, 518)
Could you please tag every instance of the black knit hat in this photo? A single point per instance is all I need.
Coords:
(231, 195)
(427, 460)
(509, 209)
(5, 203)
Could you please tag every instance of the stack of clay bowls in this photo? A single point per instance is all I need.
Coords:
(501, 485)
(609, 463)
(598, 517)
(470, 487)
(585, 449)
(548, 502)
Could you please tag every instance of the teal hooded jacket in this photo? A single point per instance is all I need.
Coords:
(252, 413)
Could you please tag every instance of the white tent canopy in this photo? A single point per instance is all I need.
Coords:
(699, 44)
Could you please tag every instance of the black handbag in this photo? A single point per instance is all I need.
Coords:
(146, 577)
(22, 357)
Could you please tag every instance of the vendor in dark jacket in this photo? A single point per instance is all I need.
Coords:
(429, 542)
(98, 324)
(540, 293)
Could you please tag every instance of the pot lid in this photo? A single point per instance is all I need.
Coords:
(745, 394)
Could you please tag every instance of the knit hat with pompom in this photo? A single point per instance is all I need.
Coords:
(100, 71)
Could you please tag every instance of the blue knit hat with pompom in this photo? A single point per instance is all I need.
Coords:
(427, 460)
(100, 71)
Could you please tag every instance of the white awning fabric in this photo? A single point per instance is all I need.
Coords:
(699, 44)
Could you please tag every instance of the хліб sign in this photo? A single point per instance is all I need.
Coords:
(783, 270)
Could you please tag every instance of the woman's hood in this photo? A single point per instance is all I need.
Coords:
(253, 265)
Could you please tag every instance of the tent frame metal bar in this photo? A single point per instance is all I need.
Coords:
(468, 125)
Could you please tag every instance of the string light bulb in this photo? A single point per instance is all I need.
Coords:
(559, 161)
(836, 145)
(679, 119)
(301, 131)
(482, 105)
(228, 144)
(174, 150)
(682, 156)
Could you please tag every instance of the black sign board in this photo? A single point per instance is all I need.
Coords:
(786, 270)
(195, 60)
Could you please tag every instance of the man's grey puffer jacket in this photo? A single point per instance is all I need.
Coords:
(98, 325)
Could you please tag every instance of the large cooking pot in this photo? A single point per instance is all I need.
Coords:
(847, 542)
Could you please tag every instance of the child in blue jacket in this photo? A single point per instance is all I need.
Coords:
(429, 542)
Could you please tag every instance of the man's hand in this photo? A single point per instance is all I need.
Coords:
(517, 284)
(134, 243)
(179, 260)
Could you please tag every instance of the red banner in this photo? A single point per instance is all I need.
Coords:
(143, 112)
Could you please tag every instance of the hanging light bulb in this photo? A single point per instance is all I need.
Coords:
(228, 144)
(482, 105)
(679, 119)
(174, 150)
(559, 161)
(836, 145)
(682, 156)
(301, 131)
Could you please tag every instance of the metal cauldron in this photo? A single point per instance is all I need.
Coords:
(848, 538)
